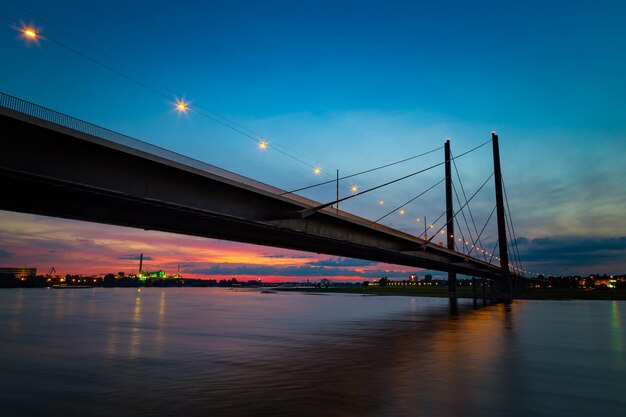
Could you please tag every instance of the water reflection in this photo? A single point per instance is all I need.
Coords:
(112, 341)
(16, 313)
(219, 352)
(135, 330)
(159, 339)
(616, 331)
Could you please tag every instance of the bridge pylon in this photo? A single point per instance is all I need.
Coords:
(505, 282)
(449, 217)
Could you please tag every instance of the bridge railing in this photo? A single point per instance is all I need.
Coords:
(101, 133)
(16, 104)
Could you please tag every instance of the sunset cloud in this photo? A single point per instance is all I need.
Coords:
(340, 261)
(572, 254)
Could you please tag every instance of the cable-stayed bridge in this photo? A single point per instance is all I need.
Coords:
(56, 165)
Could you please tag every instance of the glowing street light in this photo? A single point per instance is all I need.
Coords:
(317, 170)
(262, 145)
(381, 202)
(30, 33)
(354, 189)
(181, 106)
(402, 211)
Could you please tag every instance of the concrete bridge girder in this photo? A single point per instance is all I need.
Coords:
(51, 170)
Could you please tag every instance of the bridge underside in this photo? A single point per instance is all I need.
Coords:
(50, 170)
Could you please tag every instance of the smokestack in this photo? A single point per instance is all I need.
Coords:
(140, 264)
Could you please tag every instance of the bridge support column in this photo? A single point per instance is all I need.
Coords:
(449, 218)
(505, 281)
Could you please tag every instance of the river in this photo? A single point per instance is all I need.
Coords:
(224, 352)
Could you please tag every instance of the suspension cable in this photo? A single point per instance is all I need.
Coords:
(321, 206)
(384, 166)
(483, 229)
(360, 173)
(465, 196)
(471, 198)
(515, 261)
(463, 246)
(506, 198)
(410, 201)
(493, 251)
(464, 217)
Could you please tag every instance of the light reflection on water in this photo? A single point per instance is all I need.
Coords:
(616, 327)
(219, 352)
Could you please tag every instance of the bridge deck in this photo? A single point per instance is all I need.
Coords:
(59, 166)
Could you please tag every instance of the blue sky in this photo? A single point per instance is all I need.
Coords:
(350, 85)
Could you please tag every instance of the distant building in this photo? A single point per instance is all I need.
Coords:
(19, 273)
(160, 274)
(16, 277)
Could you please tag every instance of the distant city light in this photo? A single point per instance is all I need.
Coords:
(262, 144)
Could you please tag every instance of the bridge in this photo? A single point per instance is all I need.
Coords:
(55, 165)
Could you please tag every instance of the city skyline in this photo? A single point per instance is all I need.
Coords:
(357, 87)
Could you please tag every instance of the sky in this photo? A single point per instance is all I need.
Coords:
(345, 85)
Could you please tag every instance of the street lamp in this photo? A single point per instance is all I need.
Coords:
(30, 33)
(181, 106)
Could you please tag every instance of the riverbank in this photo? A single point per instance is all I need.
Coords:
(532, 294)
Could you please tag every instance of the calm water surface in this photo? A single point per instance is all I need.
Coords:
(220, 352)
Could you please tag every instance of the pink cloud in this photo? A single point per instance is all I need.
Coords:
(88, 248)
